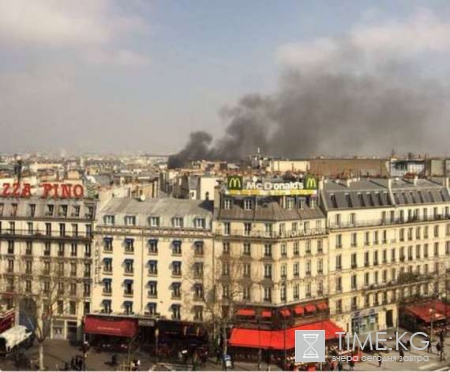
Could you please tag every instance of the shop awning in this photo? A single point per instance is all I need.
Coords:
(425, 312)
(246, 312)
(299, 310)
(110, 326)
(322, 306)
(266, 314)
(285, 312)
(310, 308)
(253, 338)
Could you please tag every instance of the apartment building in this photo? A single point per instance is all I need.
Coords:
(152, 256)
(389, 240)
(46, 256)
(271, 252)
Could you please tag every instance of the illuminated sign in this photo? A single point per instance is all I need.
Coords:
(63, 191)
(237, 186)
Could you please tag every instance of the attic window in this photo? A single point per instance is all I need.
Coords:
(431, 196)
(248, 204)
(421, 197)
(372, 204)
(380, 201)
(361, 200)
(333, 201)
(312, 202)
(302, 203)
(405, 198)
(290, 203)
(227, 204)
(413, 198)
(349, 200)
(397, 200)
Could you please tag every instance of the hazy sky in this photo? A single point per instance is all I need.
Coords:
(112, 76)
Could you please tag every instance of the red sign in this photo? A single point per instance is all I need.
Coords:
(64, 191)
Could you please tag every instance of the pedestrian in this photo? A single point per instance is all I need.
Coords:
(430, 347)
(441, 337)
(402, 355)
(379, 360)
(339, 366)
(218, 357)
(351, 363)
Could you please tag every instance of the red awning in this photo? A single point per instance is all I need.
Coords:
(285, 312)
(246, 312)
(310, 308)
(299, 310)
(266, 314)
(253, 338)
(442, 307)
(322, 306)
(110, 326)
(425, 312)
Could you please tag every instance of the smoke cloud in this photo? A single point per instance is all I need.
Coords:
(360, 95)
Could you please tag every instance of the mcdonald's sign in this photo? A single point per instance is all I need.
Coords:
(235, 183)
(310, 183)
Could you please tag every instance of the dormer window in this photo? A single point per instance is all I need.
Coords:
(227, 203)
(248, 204)
(290, 203)
(49, 211)
(109, 220)
(312, 203)
(199, 223)
(154, 221)
(130, 220)
(177, 222)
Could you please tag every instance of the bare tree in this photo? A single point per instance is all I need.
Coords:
(40, 295)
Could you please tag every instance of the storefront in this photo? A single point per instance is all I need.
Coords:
(418, 317)
(365, 321)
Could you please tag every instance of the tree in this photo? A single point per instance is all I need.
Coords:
(40, 295)
(219, 289)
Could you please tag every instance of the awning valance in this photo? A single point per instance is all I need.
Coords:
(322, 305)
(310, 308)
(299, 310)
(110, 326)
(246, 312)
(254, 338)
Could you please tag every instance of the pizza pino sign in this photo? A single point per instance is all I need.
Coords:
(46, 190)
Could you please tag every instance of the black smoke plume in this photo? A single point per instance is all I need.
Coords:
(331, 112)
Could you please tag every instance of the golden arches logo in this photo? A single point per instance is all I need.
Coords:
(311, 183)
(234, 183)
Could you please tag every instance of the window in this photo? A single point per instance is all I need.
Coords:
(30, 228)
(198, 248)
(226, 228)
(153, 246)
(283, 293)
(28, 267)
(176, 268)
(319, 245)
(86, 289)
(339, 241)
(128, 284)
(353, 282)
(354, 261)
(308, 246)
(289, 203)
(226, 248)
(225, 291)
(353, 219)
(177, 222)
(436, 249)
(10, 246)
(227, 203)
(296, 291)
(109, 220)
(176, 247)
(375, 258)
(267, 271)
(247, 228)
(308, 267)
(337, 219)
(283, 250)
(367, 238)
(247, 251)
(129, 245)
(436, 231)
(130, 220)
(339, 284)
(153, 267)
(246, 293)
(375, 237)
(87, 250)
(248, 204)
(176, 313)
(354, 239)
(198, 313)
(268, 250)
(320, 266)
(10, 266)
(176, 290)
(129, 266)
(62, 229)
(29, 248)
(296, 249)
(47, 247)
(74, 229)
(339, 306)
(246, 270)
(73, 287)
(296, 269)
(268, 229)
(152, 289)
(49, 210)
(74, 249)
(267, 294)
(128, 306)
(154, 221)
(283, 271)
(417, 251)
(28, 286)
(107, 266)
(87, 270)
(339, 262)
(199, 223)
(48, 229)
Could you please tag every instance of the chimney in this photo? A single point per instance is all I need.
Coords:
(389, 184)
(445, 182)
(415, 180)
(348, 182)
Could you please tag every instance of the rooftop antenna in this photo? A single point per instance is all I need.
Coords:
(18, 169)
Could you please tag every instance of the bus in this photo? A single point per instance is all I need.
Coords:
(14, 338)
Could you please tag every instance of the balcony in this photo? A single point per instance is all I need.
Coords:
(107, 291)
(152, 272)
(176, 274)
(262, 234)
(152, 294)
(128, 293)
(43, 235)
